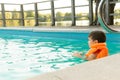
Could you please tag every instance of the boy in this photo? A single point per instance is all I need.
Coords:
(98, 49)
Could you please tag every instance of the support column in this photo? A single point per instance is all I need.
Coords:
(3, 15)
(107, 14)
(73, 13)
(52, 13)
(36, 15)
(91, 12)
(22, 15)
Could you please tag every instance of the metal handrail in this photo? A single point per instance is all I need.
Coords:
(101, 19)
(36, 10)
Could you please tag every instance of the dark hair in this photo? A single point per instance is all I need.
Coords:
(98, 35)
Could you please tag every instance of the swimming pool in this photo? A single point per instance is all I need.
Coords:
(25, 53)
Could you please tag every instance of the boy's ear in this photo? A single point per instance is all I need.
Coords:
(96, 41)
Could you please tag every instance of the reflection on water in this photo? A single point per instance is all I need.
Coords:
(23, 56)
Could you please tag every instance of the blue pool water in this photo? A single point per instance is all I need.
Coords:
(27, 53)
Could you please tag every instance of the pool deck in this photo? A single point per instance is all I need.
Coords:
(61, 29)
(56, 29)
(107, 68)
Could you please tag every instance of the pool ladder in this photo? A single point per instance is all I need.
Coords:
(101, 20)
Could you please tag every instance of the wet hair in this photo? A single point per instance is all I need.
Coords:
(98, 35)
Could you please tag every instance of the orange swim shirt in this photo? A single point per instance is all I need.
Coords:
(99, 49)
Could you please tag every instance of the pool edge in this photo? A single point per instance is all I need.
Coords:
(54, 29)
(102, 69)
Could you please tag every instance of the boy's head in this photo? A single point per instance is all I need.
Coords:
(96, 37)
